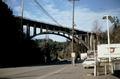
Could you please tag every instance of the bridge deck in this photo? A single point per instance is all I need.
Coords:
(49, 26)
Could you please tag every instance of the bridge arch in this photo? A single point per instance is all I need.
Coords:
(54, 33)
(63, 35)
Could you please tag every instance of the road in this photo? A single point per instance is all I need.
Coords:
(51, 72)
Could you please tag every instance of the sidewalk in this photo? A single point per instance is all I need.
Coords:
(78, 72)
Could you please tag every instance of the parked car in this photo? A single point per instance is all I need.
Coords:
(89, 62)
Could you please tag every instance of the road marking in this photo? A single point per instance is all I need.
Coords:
(49, 74)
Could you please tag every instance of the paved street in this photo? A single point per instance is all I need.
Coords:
(51, 72)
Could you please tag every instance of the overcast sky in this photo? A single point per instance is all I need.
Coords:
(86, 12)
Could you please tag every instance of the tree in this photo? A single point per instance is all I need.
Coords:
(13, 39)
(115, 30)
(97, 31)
(115, 35)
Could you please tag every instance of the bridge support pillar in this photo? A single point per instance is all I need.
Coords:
(63, 33)
(91, 42)
(83, 38)
(86, 39)
(34, 30)
(41, 29)
(28, 31)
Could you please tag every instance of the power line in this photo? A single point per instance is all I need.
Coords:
(46, 12)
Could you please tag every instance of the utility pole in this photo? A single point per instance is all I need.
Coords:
(73, 25)
(46, 45)
(22, 9)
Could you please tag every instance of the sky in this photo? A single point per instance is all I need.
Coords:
(86, 12)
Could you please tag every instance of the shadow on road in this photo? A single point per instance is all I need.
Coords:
(4, 78)
(36, 64)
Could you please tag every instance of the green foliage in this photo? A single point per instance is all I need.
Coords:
(115, 35)
(15, 47)
(55, 47)
(114, 32)
(103, 38)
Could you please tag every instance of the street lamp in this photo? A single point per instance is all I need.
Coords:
(107, 17)
(73, 25)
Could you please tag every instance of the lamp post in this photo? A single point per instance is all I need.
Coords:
(73, 25)
(107, 17)
(108, 38)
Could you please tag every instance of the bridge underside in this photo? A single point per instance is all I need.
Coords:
(81, 37)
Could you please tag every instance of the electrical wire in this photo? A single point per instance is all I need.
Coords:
(46, 12)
